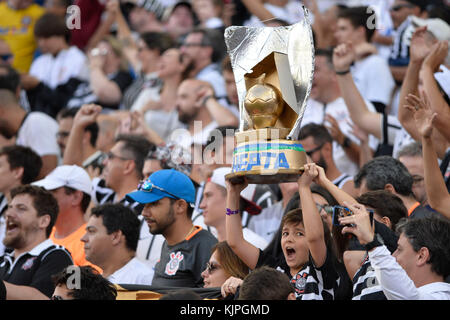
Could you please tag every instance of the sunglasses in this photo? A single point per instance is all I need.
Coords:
(310, 152)
(401, 6)
(111, 156)
(328, 209)
(210, 267)
(148, 186)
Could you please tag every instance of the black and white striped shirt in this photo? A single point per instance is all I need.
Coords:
(311, 282)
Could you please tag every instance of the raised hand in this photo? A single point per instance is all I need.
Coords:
(309, 174)
(358, 223)
(418, 48)
(422, 113)
(230, 286)
(436, 56)
(87, 115)
(343, 56)
(333, 128)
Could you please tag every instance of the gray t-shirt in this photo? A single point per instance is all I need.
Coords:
(181, 265)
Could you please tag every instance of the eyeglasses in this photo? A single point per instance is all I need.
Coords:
(6, 57)
(310, 152)
(57, 298)
(401, 6)
(210, 267)
(62, 134)
(111, 156)
(328, 209)
(148, 186)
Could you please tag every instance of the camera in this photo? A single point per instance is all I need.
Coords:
(340, 212)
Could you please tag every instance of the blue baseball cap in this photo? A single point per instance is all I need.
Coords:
(168, 183)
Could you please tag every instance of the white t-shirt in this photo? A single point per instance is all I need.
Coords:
(183, 138)
(373, 79)
(315, 112)
(38, 132)
(266, 223)
(134, 272)
(54, 71)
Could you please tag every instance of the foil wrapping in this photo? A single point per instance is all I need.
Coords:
(249, 45)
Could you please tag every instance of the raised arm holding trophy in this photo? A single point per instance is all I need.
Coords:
(273, 69)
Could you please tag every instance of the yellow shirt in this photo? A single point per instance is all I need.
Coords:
(75, 246)
(17, 29)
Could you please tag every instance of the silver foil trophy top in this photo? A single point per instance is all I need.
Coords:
(247, 46)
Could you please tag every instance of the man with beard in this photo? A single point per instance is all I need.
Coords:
(169, 196)
(26, 272)
(318, 145)
(199, 110)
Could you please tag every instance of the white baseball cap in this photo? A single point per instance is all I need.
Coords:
(218, 177)
(437, 27)
(71, 176)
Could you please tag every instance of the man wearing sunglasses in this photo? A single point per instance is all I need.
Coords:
(168, 196)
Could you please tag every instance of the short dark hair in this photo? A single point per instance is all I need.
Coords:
(93, 286)
(49, 25)
(43, 202)
(160, 41)
(137, 147)
(23, 157)
(359, 17)
(385, 204)
(434, 234)
(92, 128)
(212, 38)
(9, 79)
(327, 53)
(384, 170)
(265, 283)
(319, 133)
(118, 217)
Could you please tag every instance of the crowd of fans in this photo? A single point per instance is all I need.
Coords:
(117, 123)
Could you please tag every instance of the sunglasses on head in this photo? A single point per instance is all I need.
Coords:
(328, 209)
(210, 267)
(148, 186)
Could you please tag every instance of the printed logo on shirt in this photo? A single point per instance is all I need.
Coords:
(28, 264)
(174, 263)
(299, 282)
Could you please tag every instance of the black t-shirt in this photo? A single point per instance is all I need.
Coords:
(181, 265)
(36, 267)
(311, 282)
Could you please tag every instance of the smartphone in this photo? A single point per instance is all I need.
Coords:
(339, 212)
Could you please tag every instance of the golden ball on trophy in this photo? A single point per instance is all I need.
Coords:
(264, 104)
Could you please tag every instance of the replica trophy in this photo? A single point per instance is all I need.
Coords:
(273, 69)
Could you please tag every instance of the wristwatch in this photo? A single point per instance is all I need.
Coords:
(376, 242)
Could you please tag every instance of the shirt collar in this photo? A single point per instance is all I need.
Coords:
(38, 249)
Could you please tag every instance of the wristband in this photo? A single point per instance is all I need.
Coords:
(341, 73)
(205, 99)
(376, 242)
(230, 212)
